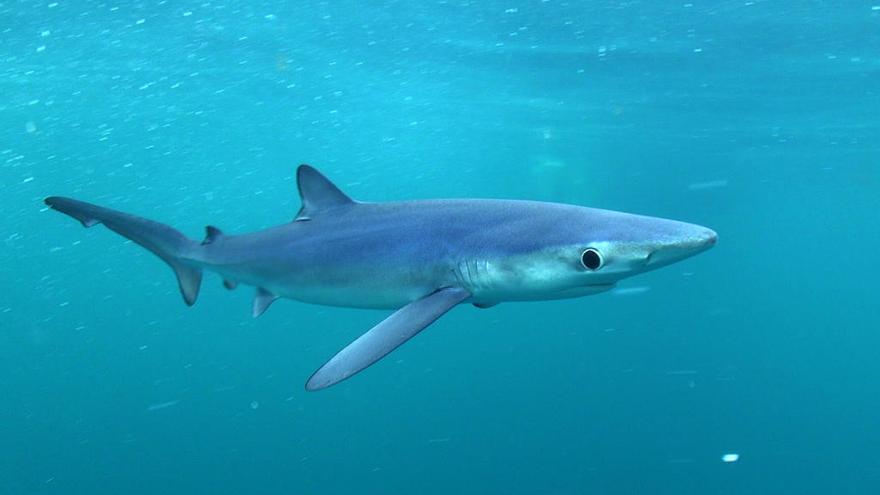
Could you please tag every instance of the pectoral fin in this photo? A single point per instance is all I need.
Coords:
(388, 335)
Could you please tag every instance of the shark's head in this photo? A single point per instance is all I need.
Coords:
(622, 245)
(587, 251)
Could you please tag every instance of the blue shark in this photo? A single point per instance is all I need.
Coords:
(420, 258)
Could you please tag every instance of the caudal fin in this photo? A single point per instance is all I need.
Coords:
(164, 241)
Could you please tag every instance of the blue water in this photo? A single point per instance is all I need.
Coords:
(758, 119)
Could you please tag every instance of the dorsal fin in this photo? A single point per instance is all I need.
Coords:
(211, 234)
(317, 193)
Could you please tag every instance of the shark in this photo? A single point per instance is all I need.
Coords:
(419, 258)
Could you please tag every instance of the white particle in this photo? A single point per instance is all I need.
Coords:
(875, 8)
(53, 5)
(681, 372)
(187, 13)
(730, 457)
(255, 405)
(41, 48)
(29, 179)
(162, 405)
(140, 21)
(45, 33)
(698, 50)
(270, 17)
(631, 291)
(710, 184)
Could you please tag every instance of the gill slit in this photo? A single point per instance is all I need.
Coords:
(472, 274)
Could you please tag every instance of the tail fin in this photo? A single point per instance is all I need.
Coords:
(164, 241)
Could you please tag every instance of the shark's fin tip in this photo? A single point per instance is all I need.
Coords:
(485, 305)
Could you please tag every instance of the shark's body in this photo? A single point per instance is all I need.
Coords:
(386, 255)
(422, 256)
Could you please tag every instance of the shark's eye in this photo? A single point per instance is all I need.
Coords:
(591, 259)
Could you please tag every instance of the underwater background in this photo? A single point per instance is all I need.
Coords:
(758, 119)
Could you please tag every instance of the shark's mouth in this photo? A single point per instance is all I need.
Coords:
(601, 287)
(584, 290)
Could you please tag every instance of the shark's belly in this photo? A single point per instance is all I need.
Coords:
(391, 298)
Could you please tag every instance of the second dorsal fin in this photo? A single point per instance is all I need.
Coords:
(317, 193)
(211, 234)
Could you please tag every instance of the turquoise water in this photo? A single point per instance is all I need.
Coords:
(758, 119)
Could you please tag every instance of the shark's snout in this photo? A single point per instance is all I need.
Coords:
(695, 240)
(704, 239)
(710, 238)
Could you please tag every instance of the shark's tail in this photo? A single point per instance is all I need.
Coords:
(164, 241)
